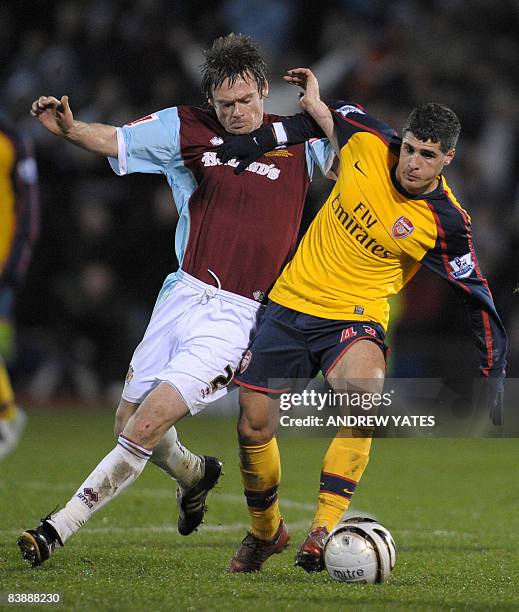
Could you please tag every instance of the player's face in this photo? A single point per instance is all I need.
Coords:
(420, 163)
(239, 107)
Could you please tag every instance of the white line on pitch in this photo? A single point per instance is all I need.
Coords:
(159, 493)
(208, 528)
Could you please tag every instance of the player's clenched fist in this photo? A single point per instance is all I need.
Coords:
(54, 114)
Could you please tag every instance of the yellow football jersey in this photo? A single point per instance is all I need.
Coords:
(371, 236)
(19, 204)
(7, 207)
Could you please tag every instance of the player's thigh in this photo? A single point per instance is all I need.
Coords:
(362, 367)
(171, 314)
(124, 411)
(278, 358)
(204, 365)
(259, 416)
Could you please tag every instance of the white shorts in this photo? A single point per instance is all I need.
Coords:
(195, 339)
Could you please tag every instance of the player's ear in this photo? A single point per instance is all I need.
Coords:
(210, 102)
(265, 91)
(449, 156)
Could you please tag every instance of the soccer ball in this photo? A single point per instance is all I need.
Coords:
(360, 550)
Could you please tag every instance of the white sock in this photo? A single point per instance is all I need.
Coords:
(115, 472)
(178, 461)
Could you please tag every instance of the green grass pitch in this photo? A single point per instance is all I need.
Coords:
(450, 504)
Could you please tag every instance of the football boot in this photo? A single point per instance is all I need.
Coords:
(191, 503)
(37, 545)
(310, 554)
(253, 552)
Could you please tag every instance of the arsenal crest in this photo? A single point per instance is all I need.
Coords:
(402, 227)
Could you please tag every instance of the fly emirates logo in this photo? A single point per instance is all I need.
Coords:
(210, 158)
(358, 223)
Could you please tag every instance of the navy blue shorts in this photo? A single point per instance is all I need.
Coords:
(293, 345)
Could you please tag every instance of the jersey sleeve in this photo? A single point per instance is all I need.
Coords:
(453, 257)
(150, 145)
(295, 129)
(319, 152)
(25, 181)
(350, 119)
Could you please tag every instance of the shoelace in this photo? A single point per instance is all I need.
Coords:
(251, 541)
(252, 551)
(50, 514)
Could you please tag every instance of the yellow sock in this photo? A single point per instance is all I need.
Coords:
(261, 472)
(8, 408)
(343, 466)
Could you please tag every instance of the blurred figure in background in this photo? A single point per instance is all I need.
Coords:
(19, 204)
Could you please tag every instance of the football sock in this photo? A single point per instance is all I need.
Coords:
(115, 472)
(177, 461)
(8, 408)
(261, 472)
(343, 466)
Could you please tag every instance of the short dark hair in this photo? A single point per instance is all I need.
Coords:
(231, 57)
(436, 123)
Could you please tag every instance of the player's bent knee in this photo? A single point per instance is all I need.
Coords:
(253, 437)
(255, 431)
(259, 417)
(143, 431)
(161, 409)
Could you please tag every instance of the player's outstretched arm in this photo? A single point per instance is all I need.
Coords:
(453, 253)
(248, 147)
(57, 117)
(311, 102)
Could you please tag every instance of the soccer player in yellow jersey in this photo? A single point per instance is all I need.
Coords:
(389, 212)
(19, 208)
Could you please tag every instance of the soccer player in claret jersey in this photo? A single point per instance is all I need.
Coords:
(206, 311)
(390, 211)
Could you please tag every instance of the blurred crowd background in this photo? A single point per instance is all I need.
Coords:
(106, 243)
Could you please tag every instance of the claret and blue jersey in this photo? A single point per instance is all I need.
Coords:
(242, 228)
